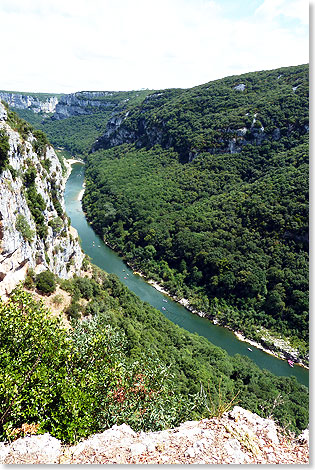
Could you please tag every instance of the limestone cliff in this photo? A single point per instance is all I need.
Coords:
(267, 108)
(63, 106)
(22, 244)
(82, 103)
(24, 101)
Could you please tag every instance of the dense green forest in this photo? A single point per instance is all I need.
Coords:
(270, 108)
(77, 134)
(207, 193)
(121, 361)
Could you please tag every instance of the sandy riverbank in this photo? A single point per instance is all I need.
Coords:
(240, 336)
(80, 195)
(71, 161)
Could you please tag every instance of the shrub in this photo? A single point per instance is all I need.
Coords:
(85, 263)
(4, 149)
(46, 164)
(56, 203)
(45, 282)
(74, 310)
(29, 281)
(41, 142)
(23, 227)
(36, 205)
(58, 299)
(13, 172)
(75, 383)
(56, 224)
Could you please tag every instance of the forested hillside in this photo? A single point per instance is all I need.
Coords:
(206, 191)
(80, 118)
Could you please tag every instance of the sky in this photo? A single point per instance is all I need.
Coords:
(63, 46)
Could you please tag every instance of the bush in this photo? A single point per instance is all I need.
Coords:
(85, 263)
(45, 282)
(76, 383)
(23, 227)
(13, 172)
(40, 143)
(58, 299)
(56, 224)
(74, 309)
(4, 149)
(29, 281)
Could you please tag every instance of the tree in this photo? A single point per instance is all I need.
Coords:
(4, 149)
(45, 282)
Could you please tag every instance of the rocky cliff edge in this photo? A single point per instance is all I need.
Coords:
(21, 246)
(238, 437)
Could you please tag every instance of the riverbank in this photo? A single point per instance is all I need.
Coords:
(284, 350)
(71, 161)
(280, 348)
(110, 261)
(68, 162)
(80, 195)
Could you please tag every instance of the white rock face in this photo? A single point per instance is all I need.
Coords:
(60, 251)
(266, 426)
(240, 87)
(20, 101)
(81, 103)
(239, 437)
(44, 444)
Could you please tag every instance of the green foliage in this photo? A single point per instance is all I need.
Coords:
(228, 231)
(245, 243)
(56, 224)
(24, 128)
(29, 281)
(58, 299)
(55, 195)
(35, 202)
(85, 263)
(23, 227)
(212, 117)
(79, 382)
(77, 134)
(13, 171)
(18, 124)
(45, 282)
(125, 364)
(4, 149)
(214, 402)
(40, 145)
(195, 363)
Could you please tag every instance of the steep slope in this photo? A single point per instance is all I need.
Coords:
(123, 362)
(218, 117)
(35, 231)
(206, 191)
(36, 102)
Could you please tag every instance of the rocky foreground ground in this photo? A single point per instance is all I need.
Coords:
(239, 437)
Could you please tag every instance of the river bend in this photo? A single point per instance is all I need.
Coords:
(102, 256)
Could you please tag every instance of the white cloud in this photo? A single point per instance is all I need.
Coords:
(67, 45)
(296, 9)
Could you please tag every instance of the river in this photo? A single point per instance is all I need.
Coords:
(102, 256)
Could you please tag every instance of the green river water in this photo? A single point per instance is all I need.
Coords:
(108, 260)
